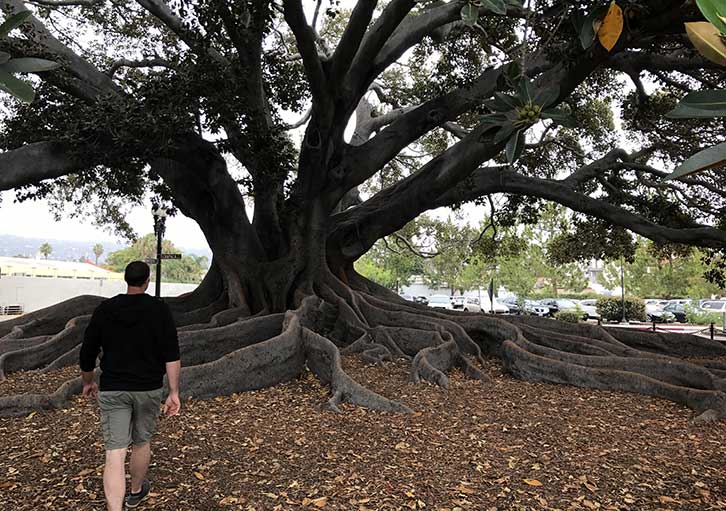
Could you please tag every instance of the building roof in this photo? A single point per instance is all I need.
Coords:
(21, 267)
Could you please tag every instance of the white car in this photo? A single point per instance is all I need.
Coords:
(466, 303)
(714, 306)
(589, 308)
(440, 302)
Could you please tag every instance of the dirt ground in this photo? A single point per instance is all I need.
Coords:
(508, 445)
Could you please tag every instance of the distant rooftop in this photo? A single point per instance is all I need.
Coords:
(48, 268)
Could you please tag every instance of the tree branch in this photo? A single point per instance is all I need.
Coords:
(63, 3)
(163, 13)
(33, 163)
(498, 180)
(150, 62)
(87, 81)
(351, 38)
(387, 22)
(295, 17)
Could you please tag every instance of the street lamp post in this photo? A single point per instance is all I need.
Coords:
(622, 287)
(159, 228)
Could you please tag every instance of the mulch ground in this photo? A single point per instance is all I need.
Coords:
(508, 445)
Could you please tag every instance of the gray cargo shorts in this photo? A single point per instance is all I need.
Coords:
(128, 417)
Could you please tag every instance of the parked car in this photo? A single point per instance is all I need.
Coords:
(714, 306)
(561, 304)
(466, 303)
(440, 302)
(536, 308)
(589, 307)
(678, 311)
(406, 297)
(654, 310)
(512, 305)
(496, 306)
(421, 299)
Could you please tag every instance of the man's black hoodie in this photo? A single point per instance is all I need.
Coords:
(137, 335)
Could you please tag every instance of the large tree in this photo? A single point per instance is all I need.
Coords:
(184, 99)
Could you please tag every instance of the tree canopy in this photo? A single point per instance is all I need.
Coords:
(189, 269)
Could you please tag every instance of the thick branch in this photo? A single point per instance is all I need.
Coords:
(497, 180)
(89, 81)
(388, 21)
(33, 163)
(295, 17)
(351, 38)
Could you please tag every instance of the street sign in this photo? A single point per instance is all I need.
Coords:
(170, 256)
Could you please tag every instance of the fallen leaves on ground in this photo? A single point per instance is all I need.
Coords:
(508, 445)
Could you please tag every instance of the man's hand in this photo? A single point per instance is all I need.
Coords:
(90, 390)
(172, 405)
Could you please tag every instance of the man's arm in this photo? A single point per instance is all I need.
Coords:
(90, 349)
(173, 363)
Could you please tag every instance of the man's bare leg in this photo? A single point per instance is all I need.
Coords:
(139, 465)
(114, 481)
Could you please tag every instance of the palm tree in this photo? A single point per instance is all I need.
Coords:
(97, 251)
(46, 249)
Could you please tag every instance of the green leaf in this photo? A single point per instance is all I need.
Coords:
(701, 104)
(29, 65)
(504, 133)
(515, 146)
(496, 6)
(560, 117)
(545, 96)
(707, 41)
(524, 90)
(469, 14)
(714, 11)
(13, 22)
(18, 88)
(494, 119)
(707, 159)
(4, 57)
(511, 102)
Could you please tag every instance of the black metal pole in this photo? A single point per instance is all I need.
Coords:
(159, 228)
(622, 287)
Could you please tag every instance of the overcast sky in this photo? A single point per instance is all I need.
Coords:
(33, 219)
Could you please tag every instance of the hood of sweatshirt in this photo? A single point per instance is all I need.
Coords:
(127, 310)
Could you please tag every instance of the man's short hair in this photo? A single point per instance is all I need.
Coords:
(137, 273)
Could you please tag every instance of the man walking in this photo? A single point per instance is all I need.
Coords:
(139, 341)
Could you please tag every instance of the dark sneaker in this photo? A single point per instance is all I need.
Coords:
(134, 499)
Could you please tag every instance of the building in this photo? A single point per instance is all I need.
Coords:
(27, 285)
(45, 268)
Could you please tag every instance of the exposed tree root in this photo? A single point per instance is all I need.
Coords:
(40, 355)
(225, 351)
(48, 321)
(323, 359)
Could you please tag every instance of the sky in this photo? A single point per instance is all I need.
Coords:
(33, 219)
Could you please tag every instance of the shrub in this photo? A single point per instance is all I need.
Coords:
(568, 316)
(610, 309)
(697, 316)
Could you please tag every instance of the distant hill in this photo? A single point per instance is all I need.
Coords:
(68, 250)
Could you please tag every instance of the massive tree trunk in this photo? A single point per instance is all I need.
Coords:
(257, 321)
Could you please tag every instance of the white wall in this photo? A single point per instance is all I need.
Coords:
(35, 293)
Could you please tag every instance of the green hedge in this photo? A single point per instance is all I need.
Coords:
(697, 316)
(610, 309)
(568, 316)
